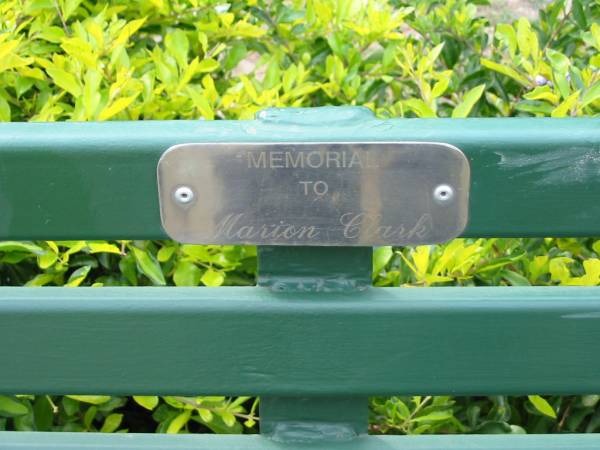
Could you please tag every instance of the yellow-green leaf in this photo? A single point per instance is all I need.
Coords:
(116, 107)
(207, 65)
(4, 110)
(7, 48)
(187, 274)
(505, 70)
(205, 414)
(11, 407)
(91, 399)
(111, 423)
(47, 259)
(14, 246)
(179, 422)
(78, 276)
(469, 99)
(541, 405)
(213, 278)
(419, 107)
(99, 247)
(228, 418)
(149, 266)
(591, 94)
(147, 401)
(128, 31)
(65, 80)
(564, 108)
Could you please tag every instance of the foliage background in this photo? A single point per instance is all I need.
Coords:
(204, 59)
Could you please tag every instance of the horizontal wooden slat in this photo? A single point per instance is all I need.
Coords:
(256, 341)
(101, 441)
(529, 177)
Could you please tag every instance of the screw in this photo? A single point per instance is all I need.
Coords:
(443, 193)
(183, 195)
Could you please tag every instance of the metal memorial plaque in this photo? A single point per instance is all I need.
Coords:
(358, 193)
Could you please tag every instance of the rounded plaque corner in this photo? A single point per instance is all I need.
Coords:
(314, 193)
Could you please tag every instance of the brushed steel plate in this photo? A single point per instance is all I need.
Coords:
(346, 194)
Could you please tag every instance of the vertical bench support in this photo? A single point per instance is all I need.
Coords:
(314, 269)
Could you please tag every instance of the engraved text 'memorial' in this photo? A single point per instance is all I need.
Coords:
(298, 159)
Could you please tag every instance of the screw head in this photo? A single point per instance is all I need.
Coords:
(183, 195)
(443, 193)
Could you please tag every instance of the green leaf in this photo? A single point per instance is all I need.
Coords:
(272, 75)
(103, 247)
(579, 14)
(116, 107)
(10, 407)
(542, 406)
(591, 94)
(128, 266)
(419, 107)
(469, 99)
(207, 65)
(78, 276)
(40, 279)
(559, 271)
(381, 256)
(177, 45)
(149, 266)
(434, 416)
(89, 416)
(228, 418)
(43, 413)
(205, 415)
(148, 402)
(4, 110)
(505, 70)
(111, 423)
(523, 36)
(514, 278)
(47, 259)
(591, 277)
(236, 54)
(201, 102)
(65, 80)
(213, 278)
(559, 62)
(165, 253)
(13, 246)
(507, 34)
(91, 399)
(128, 30)
(565, 107)
(187, 274)
(69, 7)
(440, 87)
(179, 422)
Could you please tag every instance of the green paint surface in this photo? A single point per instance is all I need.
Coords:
(254, 341)
(529, 177)
(119, 441)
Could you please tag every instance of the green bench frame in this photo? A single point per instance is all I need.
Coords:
(314, 355)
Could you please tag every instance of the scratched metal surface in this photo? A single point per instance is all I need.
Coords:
(324, 194)
(529, 177)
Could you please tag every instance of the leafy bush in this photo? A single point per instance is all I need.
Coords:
(178, 59)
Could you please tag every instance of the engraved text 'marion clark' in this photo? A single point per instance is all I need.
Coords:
(353, 226)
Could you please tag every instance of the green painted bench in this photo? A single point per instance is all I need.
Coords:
(313, 355)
